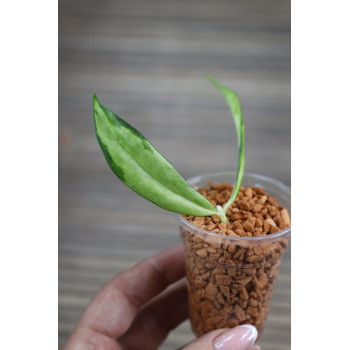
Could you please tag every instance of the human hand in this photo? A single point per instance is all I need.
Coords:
(133, 312)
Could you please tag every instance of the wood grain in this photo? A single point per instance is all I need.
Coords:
(145, 60)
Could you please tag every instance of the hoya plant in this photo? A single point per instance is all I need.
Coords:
(142, 168)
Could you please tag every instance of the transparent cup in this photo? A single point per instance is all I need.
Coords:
(230, 280)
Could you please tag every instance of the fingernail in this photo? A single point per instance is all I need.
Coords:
(238, 338)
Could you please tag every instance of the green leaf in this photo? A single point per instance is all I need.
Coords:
(142, 168)
(236, 111)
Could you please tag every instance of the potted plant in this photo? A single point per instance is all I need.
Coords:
(235, 235)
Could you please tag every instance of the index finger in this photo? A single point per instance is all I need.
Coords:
(113, 309)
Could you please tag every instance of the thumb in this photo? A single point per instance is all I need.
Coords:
(238, 338)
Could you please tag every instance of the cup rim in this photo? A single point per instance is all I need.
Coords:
(286, 233)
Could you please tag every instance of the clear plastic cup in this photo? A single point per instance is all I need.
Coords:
(231, 279)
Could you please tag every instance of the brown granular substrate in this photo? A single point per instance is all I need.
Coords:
(254, 212)
(231, 284)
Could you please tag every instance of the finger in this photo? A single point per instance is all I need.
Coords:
(238, 338)
(113, 309)
(157, 319)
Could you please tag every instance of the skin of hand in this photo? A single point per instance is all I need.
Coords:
(136, 310)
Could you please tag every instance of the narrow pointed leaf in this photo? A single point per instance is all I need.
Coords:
(236, 111)
(142, 168)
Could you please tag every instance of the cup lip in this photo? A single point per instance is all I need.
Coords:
(286, 233)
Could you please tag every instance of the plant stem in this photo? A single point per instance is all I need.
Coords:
(221, 214)
(239, 177)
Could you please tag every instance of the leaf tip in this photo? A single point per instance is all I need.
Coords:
(95, 100)
(96, 106)
(210, 78)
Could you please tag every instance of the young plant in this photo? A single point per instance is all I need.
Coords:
(142, 168)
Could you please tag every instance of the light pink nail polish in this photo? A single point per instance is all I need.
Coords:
(238, 338)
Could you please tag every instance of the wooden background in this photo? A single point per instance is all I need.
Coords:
(145, 60)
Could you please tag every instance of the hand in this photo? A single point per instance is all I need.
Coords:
(133, 312)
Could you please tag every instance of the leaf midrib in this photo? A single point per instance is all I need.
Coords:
(155, 180)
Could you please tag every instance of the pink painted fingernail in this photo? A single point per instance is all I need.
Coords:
(238, 338)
